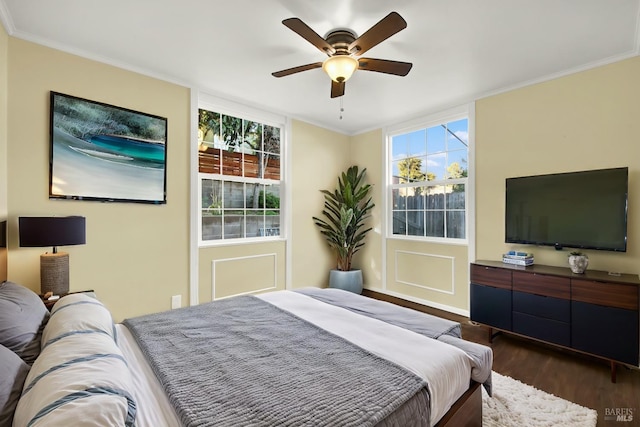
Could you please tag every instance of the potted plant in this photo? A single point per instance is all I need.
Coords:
(578, 262)
(346, 210)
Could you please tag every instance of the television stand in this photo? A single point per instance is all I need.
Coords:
(592, 313)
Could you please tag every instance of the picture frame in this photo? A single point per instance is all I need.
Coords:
(102, 152)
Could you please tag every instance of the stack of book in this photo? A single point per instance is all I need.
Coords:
(517, 258)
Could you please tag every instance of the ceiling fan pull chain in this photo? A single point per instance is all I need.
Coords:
(341, 106)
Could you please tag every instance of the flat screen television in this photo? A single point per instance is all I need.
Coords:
(586, 209)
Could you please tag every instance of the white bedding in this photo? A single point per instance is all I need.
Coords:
(154, 408)
(446, 368)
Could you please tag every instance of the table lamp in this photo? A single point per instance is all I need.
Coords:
(54, 232)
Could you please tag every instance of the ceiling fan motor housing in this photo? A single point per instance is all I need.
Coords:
(340, 39)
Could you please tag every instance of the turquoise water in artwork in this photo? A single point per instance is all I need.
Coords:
(135, 149)
(107, 167)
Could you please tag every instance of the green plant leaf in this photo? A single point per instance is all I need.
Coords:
(346, 210)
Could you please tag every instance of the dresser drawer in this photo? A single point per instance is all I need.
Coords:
(542, 284)
(605, 294)
(491, 306)
(541, 328)
(605, 331)
(491, 276)
(541, 306)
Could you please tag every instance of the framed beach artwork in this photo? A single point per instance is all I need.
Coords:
(106, 153)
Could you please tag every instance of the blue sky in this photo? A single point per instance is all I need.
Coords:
(435, 146)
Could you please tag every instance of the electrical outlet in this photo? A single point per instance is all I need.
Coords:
(176, 301)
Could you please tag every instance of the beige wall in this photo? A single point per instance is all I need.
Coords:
(4, 59)
(136, 256)
(318, 157)
(435, 273)
(366, 152)
(587, 120)
(240, 269)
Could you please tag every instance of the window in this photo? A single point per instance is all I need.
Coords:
(428, 181)
(239, 174)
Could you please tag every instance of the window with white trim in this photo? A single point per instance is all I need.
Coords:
(428, 181)
(240, 177)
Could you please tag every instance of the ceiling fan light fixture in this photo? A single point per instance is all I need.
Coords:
(340, 67)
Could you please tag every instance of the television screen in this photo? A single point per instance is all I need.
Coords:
(106, 153)
(585, 209)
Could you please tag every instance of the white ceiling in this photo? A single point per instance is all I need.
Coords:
(461, 49)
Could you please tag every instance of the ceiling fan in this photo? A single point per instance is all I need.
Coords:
(344, 49)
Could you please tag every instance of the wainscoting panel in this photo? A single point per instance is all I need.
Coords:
(430, 273)
(426, 271)
(243, 275)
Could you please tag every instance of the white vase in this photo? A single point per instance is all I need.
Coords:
(578, 263)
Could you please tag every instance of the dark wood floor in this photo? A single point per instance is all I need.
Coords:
(579, 378)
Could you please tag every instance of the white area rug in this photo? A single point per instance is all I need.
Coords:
(517, 404)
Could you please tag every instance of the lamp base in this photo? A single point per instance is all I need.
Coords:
(54, 273)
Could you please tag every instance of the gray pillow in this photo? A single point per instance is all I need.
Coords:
(13, 372)
(23, 316)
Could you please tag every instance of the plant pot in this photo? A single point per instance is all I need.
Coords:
(347, 280)
(578, 263)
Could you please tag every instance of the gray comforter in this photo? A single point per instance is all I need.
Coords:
(245, 362)
(421, 323)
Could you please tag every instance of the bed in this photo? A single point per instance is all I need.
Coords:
(307, 357)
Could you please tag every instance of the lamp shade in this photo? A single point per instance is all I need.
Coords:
(340, 67)
(52, 231)
(3, 234)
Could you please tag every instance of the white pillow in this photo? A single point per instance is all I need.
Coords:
(77, 314)
(80, 377)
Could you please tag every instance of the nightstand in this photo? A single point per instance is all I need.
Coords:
(50, 303)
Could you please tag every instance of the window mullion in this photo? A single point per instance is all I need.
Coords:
(223, 205)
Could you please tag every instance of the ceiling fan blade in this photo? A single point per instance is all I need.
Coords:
(298, 69)
(385, 28)
(304, 31)
(385, 66)
(337, 89)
